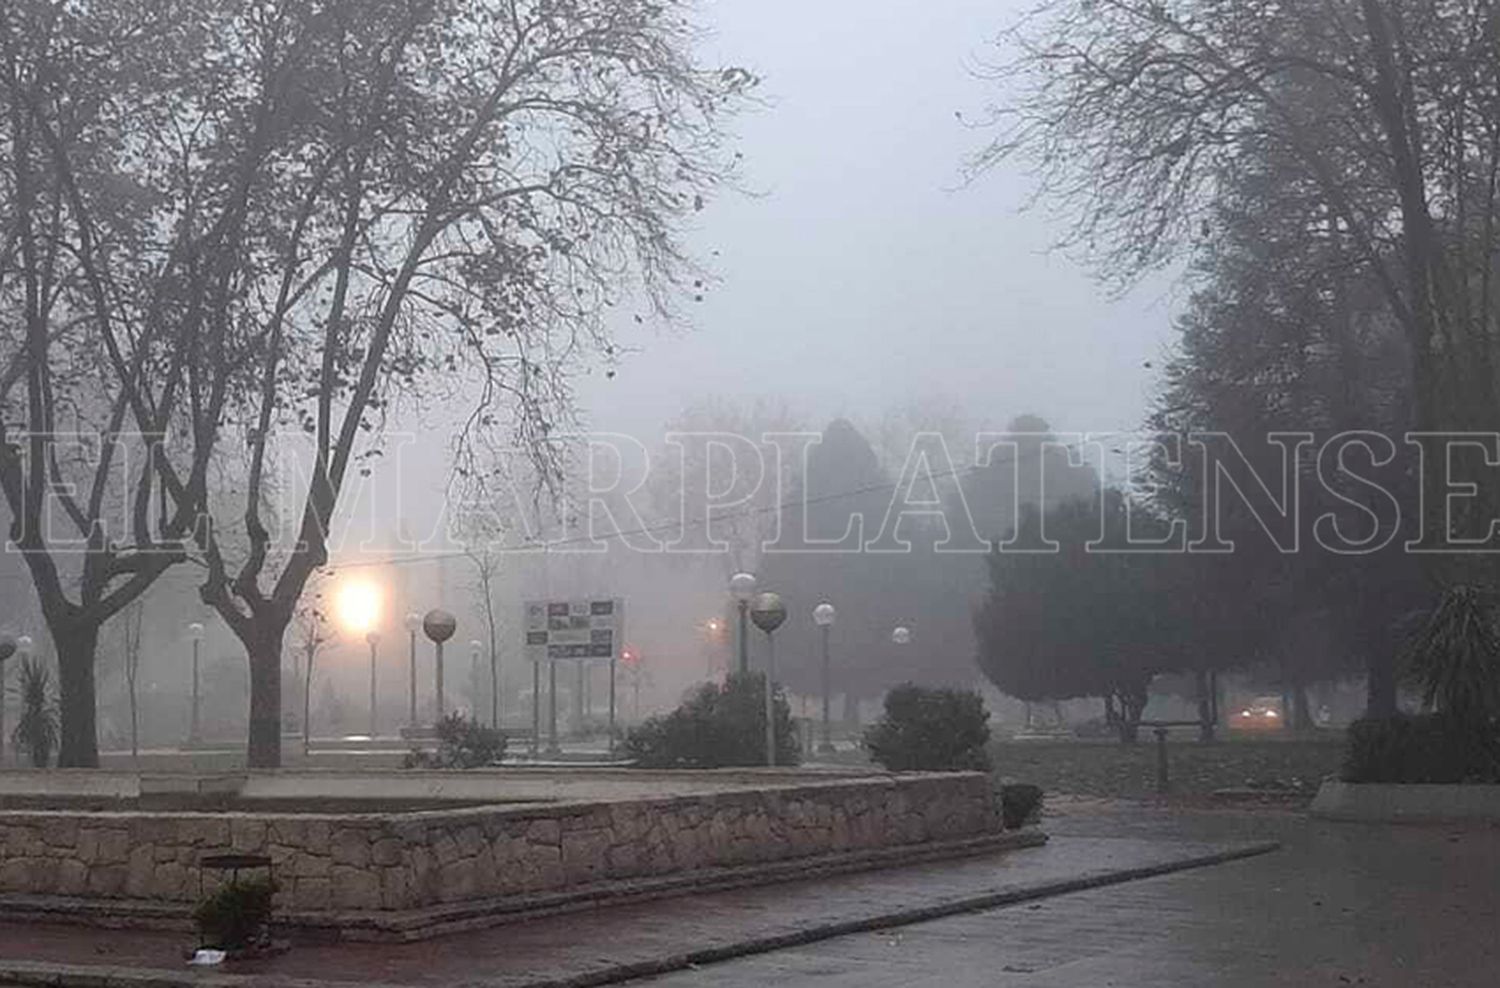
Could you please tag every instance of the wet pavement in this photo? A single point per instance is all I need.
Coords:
(1339, 904)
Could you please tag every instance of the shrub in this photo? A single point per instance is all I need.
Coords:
(716, 727)
(36, 732)
(930, 730)
(1431, 748)
(1020, 804)
(237, 915)
(1456, 656)
(462, 743)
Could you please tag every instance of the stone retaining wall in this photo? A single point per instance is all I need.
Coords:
(377, 862)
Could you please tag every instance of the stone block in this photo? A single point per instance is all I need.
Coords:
(318, 836)
(302, 865)
(355, 888)
(395, 888)
(247, 835)
(350, 847)
(174, 882)
(140, 868)
(544, 832)
(456, 881)
(107, 880)
(470, 841)
(15, 875)
(314, 894)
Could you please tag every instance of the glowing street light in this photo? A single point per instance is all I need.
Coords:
(358, 606)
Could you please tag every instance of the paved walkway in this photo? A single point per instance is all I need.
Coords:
(648, 937)
(1341, 904)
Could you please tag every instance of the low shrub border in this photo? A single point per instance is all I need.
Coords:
(1422, 749)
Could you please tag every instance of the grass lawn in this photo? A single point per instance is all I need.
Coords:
(1110, 769)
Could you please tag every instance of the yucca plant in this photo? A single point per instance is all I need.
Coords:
(1455, 655)
(37, 731)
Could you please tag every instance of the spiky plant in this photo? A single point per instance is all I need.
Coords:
(1456, 656)
(37, 731)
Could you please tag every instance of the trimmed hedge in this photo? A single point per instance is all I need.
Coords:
(716, 727)
(1020, 804)
(462, 743)
(1424, 748)
(930, 730)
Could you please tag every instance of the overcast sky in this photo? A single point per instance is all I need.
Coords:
(862, 274)
(860, 277)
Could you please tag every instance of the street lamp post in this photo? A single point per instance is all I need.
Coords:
(373, 638)
(769, 613)
(742, 587)
(439, 626)
(413, 622)
(7, 649)
(553, 747)
(195, 632)
(476, 652)
(824, 615)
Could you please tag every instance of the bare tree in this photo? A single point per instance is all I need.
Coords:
(130, 651)
(475, 185)
(313, 632)
(1138, 114)
(102, 283)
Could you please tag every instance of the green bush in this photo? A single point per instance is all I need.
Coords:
(1431, 748)
(237, 915)
(930, 730)
(716, 727)
(1020, 804)
(462, 743)
(36, 733)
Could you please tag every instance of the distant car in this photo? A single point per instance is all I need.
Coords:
(1264, 713)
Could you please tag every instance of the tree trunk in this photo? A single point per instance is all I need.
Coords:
(1132, 705)
(1302, 720)
(1205, 706)
(264, 748)
(79, 746)
(135, 725)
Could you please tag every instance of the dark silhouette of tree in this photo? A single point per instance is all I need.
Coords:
(1082, 621)
(1138, 115)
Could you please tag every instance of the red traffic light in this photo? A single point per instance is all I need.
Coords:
(630, 655)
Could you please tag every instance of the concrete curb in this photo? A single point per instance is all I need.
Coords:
(26, 974)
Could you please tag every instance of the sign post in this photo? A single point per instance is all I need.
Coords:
(578, 631)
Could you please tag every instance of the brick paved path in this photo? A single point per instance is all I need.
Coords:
(1342, 904)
